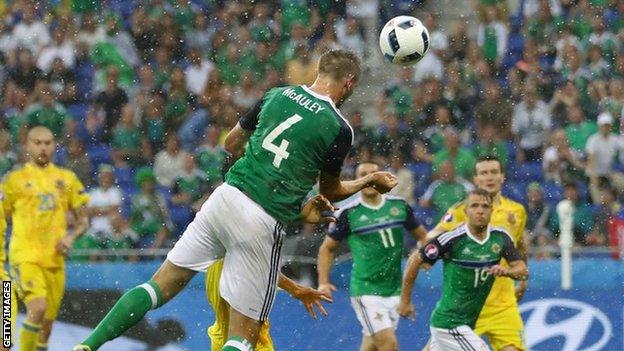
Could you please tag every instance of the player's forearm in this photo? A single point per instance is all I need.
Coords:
(517, 270)
(345, 188)
(287, 284)
(323, 264)
(410, 275)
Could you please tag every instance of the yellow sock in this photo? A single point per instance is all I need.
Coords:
(264, 338)
(29, 335)
(42, 347)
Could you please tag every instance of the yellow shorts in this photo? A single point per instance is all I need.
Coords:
(33, 281)
(5, 277)
(218, 330)
(502, 326)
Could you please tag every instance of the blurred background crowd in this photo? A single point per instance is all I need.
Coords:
(140, 95)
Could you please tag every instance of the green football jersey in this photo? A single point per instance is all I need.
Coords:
(375, 236)
(297, 133)
(467, 282)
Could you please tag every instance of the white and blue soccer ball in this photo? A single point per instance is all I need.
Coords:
(404, 40)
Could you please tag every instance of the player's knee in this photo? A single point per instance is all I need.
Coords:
(171, 279)
(386, 341)
(509, 348)
(36, 309)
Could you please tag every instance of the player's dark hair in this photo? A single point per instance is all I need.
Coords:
(339, 64)
(486, 158)
(481, 192)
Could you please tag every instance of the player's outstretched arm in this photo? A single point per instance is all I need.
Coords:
(323, 263)
(335, 189)
(308, 296)
(406, 307)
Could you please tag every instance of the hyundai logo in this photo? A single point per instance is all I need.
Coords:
(566, 323)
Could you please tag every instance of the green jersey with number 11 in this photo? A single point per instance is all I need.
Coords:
(297, 133)
(467, 281)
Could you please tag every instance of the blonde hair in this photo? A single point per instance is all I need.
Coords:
(339, 64)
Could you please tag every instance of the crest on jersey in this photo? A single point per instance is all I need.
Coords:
(448, 217)
(496, 248)
(511, 218)
(60, 184)
(431, 251)
(394, 211)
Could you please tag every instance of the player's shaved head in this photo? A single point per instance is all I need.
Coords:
(40, 145)
(339, 65)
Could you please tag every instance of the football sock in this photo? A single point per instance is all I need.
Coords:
(29, 335)
(42, 347)
(127, 312)
(237, 344)
(264, 338)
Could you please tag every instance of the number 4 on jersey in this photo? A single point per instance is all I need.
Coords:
(279, 151)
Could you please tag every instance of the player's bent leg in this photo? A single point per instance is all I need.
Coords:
(367, 343)
(242, 328)
(168, 281)
(385, 340)
(44, 334)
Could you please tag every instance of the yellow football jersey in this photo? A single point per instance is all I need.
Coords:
(507, 214)
(38, 200)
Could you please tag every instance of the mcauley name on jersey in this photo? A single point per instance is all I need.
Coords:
(303, 101)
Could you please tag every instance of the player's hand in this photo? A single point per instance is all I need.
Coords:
(383, 181)
(521, 289)
(311, 297)
(63, 245)
(318, 210)
(326, 289)
(406, 310)
(498, 271)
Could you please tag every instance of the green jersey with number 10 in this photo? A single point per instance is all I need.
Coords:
(467, 281)
(297, 133)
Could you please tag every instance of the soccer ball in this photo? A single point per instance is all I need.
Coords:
(404, 40)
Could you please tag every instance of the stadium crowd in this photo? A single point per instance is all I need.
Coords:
(141, 95)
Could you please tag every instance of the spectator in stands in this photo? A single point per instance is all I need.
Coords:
(153, 125)
(210, 156)
(598, 67)
(121, 40)
(538, 215)
(47, 112)
(614, 102)
(583, 215)
(178, 102)
(438, 40)
(391, 138)
(489, 143)
(445, 191)
(562, 164)
(62, 83)
(602, 149)
(23, 72)
(578, 129)
(349, 35)
(493, 110)
(200, 36)
(8, 158)
(492, 36)
(60, 48)
(104, 202)
(301, 68)
(462, 158)
(434, 135)
(169, 161)
(126, 141)
(149, 216)
(79, 162)
(90, 32)
(190, 188)
(608, 208)
(111, 100)
(564, 98)
(399, 92)
(530, 124)
(122, 236)
(31, 33)
(145, 90)
(196, 73)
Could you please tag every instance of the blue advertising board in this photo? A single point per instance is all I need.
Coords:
(588, 317)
